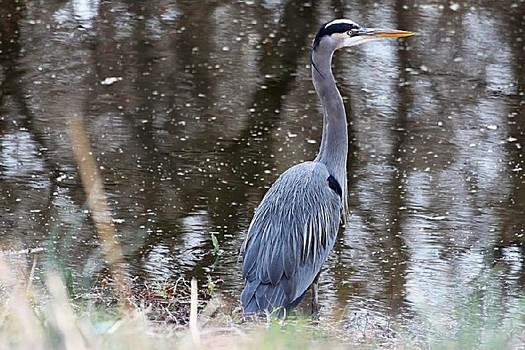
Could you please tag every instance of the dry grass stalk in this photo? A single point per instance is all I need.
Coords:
(193, 312)
(18, 318)
(96, 198)
(63, 316)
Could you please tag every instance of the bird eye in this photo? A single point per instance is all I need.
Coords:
(352, 32)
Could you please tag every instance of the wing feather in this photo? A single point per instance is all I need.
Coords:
(292, 233)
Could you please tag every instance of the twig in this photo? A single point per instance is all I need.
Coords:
(193, 312)
(31, 275)
(96, 199)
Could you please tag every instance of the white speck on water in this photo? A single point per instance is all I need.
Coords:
(110, 80)
(433, 218)
(492, 127)
(454, 6)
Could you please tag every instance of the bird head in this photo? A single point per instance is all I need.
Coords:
(344, 33)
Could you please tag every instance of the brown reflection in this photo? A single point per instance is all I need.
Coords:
(10, 15)
(252, 154)
(513, 219)
(279, 66)
(18, 118)
(242, 160)
(11, 12)
(387, 234)
(395, 269)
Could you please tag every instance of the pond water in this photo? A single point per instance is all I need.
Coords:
(194, 108)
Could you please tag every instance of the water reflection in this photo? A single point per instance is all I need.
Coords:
(194, 108)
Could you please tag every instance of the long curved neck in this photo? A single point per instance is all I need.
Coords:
(334, 143)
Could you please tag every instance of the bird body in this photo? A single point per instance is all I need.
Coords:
(293, 231)
(295, 226)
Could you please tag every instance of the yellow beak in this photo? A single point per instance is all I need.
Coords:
(388, 33)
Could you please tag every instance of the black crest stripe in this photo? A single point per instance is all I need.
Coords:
(339, 27)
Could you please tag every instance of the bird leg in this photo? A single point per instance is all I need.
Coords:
(315, 297)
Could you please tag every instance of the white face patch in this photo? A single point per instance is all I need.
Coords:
(341, 21)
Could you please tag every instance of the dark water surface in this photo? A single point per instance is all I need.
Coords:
(194, 108)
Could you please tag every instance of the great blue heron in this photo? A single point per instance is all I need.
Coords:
(294, 228)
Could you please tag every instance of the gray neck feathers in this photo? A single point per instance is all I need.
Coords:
(334, 143)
